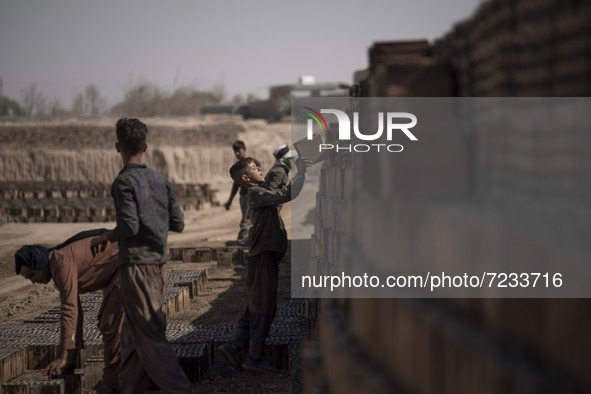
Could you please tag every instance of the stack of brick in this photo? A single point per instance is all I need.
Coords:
(222, 256)
(536, 180)
(523, 48)
(28, 348)
(400, 67)
(27, 202)
(444, 346)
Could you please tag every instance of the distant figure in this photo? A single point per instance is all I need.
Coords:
(146, 210)
(268, 244)
(75, 270)
(240, 152)
(278, 175)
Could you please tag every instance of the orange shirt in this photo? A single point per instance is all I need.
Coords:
(76, 271)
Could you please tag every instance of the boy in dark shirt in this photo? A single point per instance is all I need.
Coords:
(268, 243)
(146, 210)
(278, 176)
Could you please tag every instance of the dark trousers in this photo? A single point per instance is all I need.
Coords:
(145, 351)
(253, 327)
(110, 322)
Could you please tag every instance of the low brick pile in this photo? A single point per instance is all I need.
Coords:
(34, 202)
(26, 348)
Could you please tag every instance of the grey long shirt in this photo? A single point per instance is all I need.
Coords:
(146, 210)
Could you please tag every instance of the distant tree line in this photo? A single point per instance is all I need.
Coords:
(146, 99)
(141, 98)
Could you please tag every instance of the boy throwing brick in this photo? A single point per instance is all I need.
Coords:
(268, 243)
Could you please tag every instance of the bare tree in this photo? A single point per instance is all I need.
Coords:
(89, 103)
(144, 98)
(33, 100)
(94, 103)
(56, 108)
(78, 105)
(141, 99)
(219, 92)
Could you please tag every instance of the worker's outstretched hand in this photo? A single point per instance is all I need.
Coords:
(59, 364)
(302, 163)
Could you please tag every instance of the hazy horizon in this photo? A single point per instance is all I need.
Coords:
(63, 46)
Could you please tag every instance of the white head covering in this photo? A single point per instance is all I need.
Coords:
(283, 152)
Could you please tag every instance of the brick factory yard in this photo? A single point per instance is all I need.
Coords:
(220, 302)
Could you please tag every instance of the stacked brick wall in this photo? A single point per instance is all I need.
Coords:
(55, 153)
(520, 196)
(535, 163)
(397, 70)
(525, 49)
(430, 346)
(522, 48)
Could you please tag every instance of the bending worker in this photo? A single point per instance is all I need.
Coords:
(76, 271)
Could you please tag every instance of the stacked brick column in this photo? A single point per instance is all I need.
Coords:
(482, 345)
